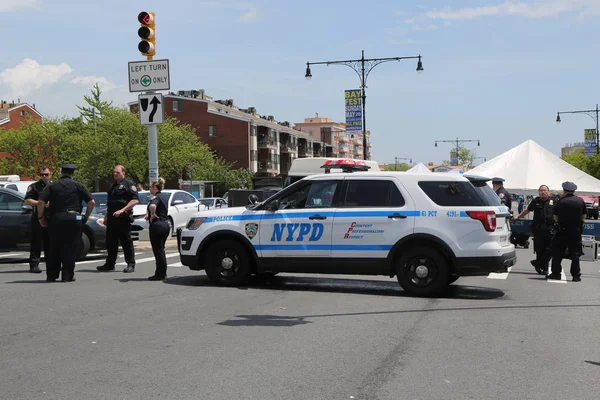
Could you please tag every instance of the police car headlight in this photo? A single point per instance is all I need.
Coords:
(195, 223)
(100, 221)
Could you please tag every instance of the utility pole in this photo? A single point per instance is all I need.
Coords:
(593, 114)
(96, 182)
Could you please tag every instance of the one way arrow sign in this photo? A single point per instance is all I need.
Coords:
(151, 109)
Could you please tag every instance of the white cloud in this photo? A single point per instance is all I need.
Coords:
(89, 81)
(30, 75)
(12, 5)
(250, 16)
(536, 9)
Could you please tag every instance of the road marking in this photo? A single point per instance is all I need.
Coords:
(176, 265)
(103, 259)
(501, 275)
(12, 254)
(143, 260)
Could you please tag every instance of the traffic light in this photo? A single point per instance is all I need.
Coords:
(147, 34)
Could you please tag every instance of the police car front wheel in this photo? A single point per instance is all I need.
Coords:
(422, 271)
(227, 263)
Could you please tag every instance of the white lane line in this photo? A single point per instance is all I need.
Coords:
(502, 275)
(2, 255)
(143, 260)
(176, 265)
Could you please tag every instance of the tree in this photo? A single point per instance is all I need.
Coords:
(396, 167)
(589, 165)
(31, 146)
(96, 107)
(465, 156)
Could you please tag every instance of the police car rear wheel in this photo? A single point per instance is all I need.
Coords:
(423, 271)
(227, 263)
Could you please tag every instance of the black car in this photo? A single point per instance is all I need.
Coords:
(15, 219)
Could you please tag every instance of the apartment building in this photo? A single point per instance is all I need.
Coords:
(12, 114)
(242, 135)
(337, 142)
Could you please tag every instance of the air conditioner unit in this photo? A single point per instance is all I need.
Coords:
(271, 118)
(252, 110)
(181, 93)
(229, 102)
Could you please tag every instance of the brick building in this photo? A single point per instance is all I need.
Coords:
(338, 142)
(12, 115)
(243, 136)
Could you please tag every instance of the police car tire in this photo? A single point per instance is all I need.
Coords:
(453, 278)
(232, 250)
(430, 260)
(84, 246)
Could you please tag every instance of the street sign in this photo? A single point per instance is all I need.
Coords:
(148, 76)
(151, 109)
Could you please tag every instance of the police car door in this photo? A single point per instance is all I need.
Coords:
(372, 215)
(301, 225)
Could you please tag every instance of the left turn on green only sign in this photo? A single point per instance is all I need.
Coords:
(148, 76)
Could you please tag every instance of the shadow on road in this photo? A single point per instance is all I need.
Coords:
(593, 363)
(341, 285)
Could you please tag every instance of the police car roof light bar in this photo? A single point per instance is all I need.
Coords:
(347, 166)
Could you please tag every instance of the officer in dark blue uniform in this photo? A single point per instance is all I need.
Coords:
(65, 221)
(122, 197)
(157, 216)
(569, 213)
(39, 235)
(498, 185)
(543, 228)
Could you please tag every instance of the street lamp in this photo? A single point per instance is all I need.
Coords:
(363, 67)
(593, 114)
(457, 141)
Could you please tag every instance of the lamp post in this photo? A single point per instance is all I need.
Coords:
(362, 67)
(477, 158)
(457, 141)
(593, 114)
(400, 158)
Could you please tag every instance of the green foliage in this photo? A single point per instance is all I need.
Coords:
(589, 165)
(396, 167)
(32, 146)
(465, 156)
(104, 136)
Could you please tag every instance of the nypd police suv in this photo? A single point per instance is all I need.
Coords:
(426, 229)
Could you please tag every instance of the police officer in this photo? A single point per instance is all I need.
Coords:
(39, 235)
(65, 221)
(498, 185)
(543, 228)
(157, 216)
(122, 197)
(569, 213)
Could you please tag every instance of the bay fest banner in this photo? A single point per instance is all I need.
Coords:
(589, 142)
(353, 100)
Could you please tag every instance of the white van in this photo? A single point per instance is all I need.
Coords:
(302, 167)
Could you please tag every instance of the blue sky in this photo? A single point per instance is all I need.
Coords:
(496, 71)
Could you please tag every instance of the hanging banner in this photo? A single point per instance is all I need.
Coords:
(453, 157)
(589, 140)
(353, 99)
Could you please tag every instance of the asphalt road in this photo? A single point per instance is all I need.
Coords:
(117, 336)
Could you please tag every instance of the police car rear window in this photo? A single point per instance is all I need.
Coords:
(460, 194)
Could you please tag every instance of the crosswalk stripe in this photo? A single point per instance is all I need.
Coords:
(143, 260)
(3, 255)
(176, 265)
(502, 275)
(563, 278)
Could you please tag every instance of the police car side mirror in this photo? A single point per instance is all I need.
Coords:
(26, 209)
(253, 199)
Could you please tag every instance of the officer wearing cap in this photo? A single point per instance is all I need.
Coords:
(39, 235)
(498, 185)
(65, 221)
(543, 228)
(569, 213)
(122, 197)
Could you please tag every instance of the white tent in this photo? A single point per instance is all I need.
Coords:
(529, 165)
(420, 167)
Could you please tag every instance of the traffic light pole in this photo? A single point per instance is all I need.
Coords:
(152, 151)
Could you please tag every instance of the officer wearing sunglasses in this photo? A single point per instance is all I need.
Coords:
(39, 234)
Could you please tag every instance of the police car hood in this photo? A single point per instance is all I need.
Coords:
(223, 212)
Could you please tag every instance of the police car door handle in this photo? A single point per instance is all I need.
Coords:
(317, 216)
(396, 215)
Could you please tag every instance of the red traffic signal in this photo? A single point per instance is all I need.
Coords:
(146, 18)
(147, 34)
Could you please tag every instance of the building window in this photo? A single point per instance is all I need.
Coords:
(22, 113)
(212, 131)
(177, 105)
(253, 155)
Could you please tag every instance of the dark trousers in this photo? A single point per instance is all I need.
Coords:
(571, 240)
(39, 241)
(119, 230)
(65, 235)
(159, 232)
(542, 246)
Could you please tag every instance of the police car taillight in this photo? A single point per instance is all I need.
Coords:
(487, 218)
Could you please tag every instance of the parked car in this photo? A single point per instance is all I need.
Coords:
(20, 186)
(15, 220)
(101, 202)
(592, 206)
(182, 205)
(213, 202)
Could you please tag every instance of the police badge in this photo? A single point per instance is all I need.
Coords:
(133, 188)
(251, 230)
